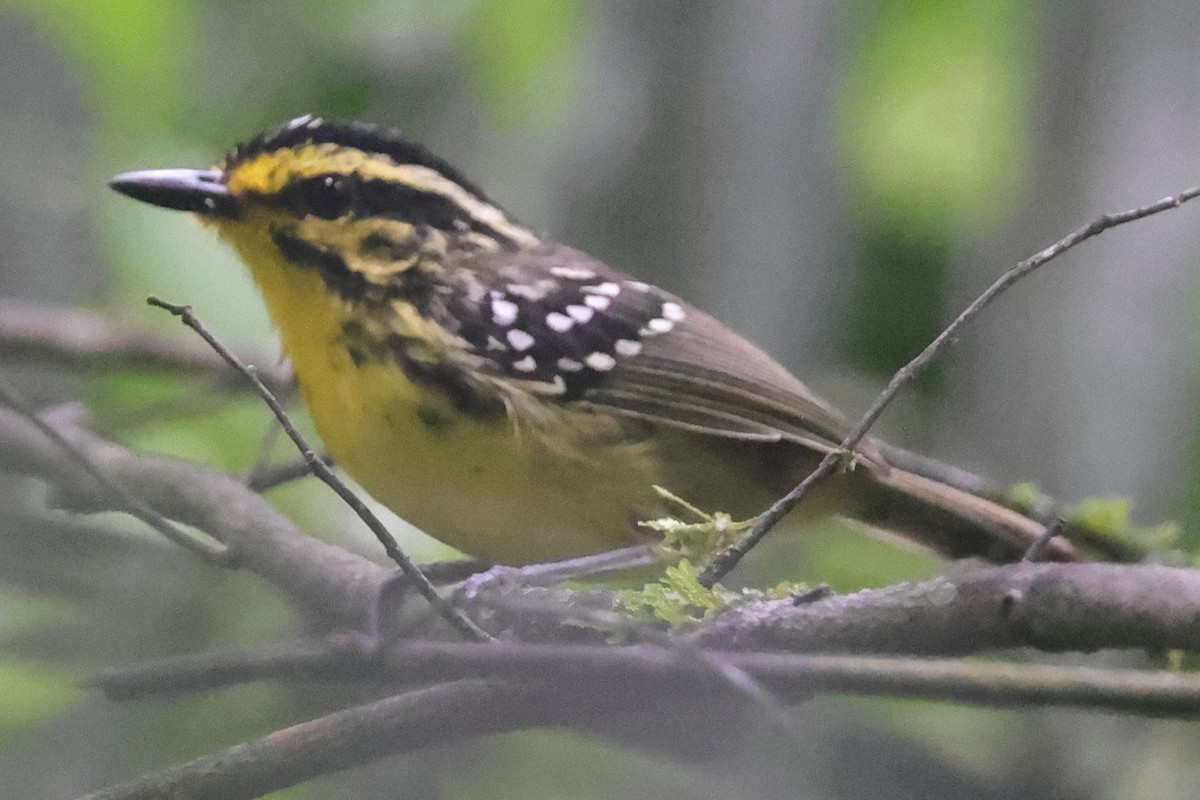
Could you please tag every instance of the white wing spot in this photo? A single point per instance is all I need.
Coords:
(660, 325)
(601, 362)
(504, 312)
(580, 314)
(573, 273)
(607, 288)
(495, 344)
(526, 364)
(638, 286)
(598, 301)
(656, 326)
(627, 347)
(569, 365)
(557, 321)
(673, 312)
(520, 340)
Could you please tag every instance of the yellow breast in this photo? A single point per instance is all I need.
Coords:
(504, 489)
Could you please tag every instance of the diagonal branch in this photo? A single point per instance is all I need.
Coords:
(317, 465)
(320, 579)
(214, 552)
(357, 735)
(728, 558)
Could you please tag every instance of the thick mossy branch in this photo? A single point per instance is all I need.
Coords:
(679, 600)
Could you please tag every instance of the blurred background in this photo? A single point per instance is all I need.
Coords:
(833, 179)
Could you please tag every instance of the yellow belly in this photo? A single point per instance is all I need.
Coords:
(485, 487)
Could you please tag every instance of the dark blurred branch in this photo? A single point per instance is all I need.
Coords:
(320, 579)
(41, 335)
(306, 660)
(356, 735)
(659, 669)
(798, 677)
(212, 551)
(570, 685)
(728, 558)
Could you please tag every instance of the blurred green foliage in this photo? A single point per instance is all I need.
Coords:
(934, 123)
(35, 694)
(935, 113)
(518, 56)
(128, 55)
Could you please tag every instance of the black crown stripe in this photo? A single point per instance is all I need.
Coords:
(357, 135)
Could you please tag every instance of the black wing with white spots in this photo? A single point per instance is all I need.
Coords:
(574, 329)
(562, 322)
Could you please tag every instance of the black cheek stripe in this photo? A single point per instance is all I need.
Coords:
(340, 279)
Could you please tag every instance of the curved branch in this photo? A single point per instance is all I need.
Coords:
(728, 558)
(319, 578)
(354, 736)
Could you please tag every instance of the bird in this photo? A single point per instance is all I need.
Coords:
(514, 397)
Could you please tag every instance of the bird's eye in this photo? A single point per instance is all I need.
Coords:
(325, 196)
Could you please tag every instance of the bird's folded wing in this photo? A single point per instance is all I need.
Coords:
(704, 377)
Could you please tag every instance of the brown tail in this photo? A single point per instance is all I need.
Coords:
(950, 520)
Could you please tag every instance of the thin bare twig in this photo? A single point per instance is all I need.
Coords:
(262, 460)
(410, 570)
(212, 551)
(728, 558)
(1055, 528)
(266, 477)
